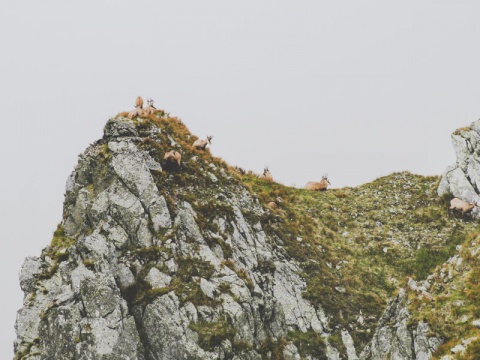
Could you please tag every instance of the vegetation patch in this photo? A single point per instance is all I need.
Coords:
(57, 252)
(272, 349)
(211, 334)
(308, 343)
(355, 246)
(451, 305)
(242, 273)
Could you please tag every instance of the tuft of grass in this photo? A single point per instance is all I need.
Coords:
(89, 264)
(211, 334)
(272, 349)
(57, 252)
(242, 273)
(308, 343)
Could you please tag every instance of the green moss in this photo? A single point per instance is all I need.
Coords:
(335, 339)
(151, 253)
(57, 252)
(189, 267)
(308, 343)
(89, 264)
(60, 239)
(27, 352)
(242, 273)
(272, 349)
(211, 334)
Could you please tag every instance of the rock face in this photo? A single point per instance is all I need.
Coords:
(462, 179)
(137, 271)
(393, 339)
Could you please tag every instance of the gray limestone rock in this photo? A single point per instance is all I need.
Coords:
(462, 179)
(157, 279)
(30, 269)
(394, 340)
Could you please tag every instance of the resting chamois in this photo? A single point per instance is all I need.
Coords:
(202, 144)
(275, 204)
(318, 186)
(266, 174)
(138, 111)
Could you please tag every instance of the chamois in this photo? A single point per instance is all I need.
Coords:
(318, 186)
(463, 206)
(172, 157)
(150, 108)
(202, 144)
(136, 112)
(139, 102)
(240, 170)
(267, 175)
(275, 204)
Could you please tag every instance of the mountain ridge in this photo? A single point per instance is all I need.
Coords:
(197, 248)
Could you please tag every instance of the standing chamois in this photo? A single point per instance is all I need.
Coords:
(463, 206)
(202, 144)
(318, 186)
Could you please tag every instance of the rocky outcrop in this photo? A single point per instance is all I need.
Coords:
(394, 339)
(136, 271)
(462, 179)
(159, 261)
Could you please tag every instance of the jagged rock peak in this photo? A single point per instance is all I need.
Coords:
(158, 261)
(462, 179)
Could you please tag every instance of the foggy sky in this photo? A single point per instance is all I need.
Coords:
(355, 89)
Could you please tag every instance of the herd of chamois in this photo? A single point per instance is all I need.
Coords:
(175, 157)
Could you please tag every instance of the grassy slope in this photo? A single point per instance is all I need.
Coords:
(453, 301)
(356, 246)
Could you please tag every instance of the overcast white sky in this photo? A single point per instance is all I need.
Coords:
(358, 89)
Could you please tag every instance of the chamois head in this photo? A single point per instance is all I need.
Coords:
(150, 108)
(266, 174)
(325, 179)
